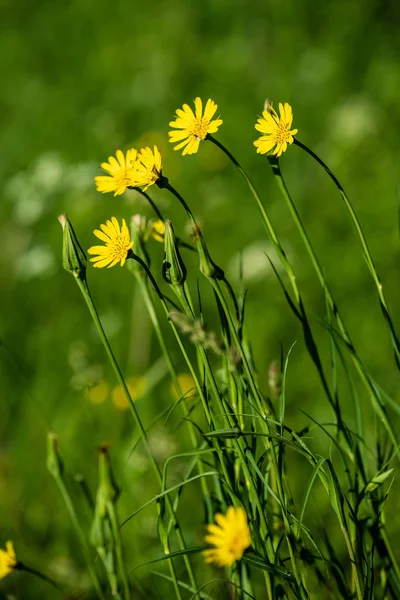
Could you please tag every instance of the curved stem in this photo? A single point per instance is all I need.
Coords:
(365, 249)
(86, 552)
(375, 399)
(92, 309)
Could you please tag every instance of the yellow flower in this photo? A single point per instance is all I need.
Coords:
(186, 384)
(118, 243)
(276, 129)
(8, 560)
(98, 392)
(158, 230)
(147, 168)
(231, 537)
(119, 170)
(136, 386)
(193, 127)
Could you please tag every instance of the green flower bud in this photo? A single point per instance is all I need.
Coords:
(173, 269)
(74, 258)
(54, 463)
(108, 489)
(207, 265)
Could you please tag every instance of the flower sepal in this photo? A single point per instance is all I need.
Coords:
(74, 258)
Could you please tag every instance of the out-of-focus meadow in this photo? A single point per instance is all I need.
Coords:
(81, 79)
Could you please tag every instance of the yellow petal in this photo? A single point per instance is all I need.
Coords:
(199, 107)
(210, 109)
(102, 236)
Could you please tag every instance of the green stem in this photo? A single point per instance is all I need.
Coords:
(261, 408)
(118, 548)
(117, 371)
(21, 567)
(249, 375)
(198, 385)
(365, 249)
(85, 547)
(376, 402)
(267, 222)
(173, 374)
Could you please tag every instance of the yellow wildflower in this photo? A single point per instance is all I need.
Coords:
(147, 168)
(186, 384)
(193, 127)
(158, 230)
(276, 129)
(231, 537)
(136, 386)
(119, 170)
(118, 243)
(8, 560)
(98, 392)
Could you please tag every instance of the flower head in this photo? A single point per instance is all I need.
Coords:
(276, 129)
(118, 243)
(8, 560)
(193, 127)
(147, 168)
(231, 537)
(119, 171)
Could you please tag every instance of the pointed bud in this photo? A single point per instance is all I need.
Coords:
(207, 265)
(74, 258)
(54, 463)
(173, 269)
(107, 486)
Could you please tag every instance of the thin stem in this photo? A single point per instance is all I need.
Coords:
(267, 222)
(85, 547)
(376, 402)
(118, 548)
(258, 399)
(365, 248)
(92, 309)
(198, 385)
(172, 371)
(22, 567)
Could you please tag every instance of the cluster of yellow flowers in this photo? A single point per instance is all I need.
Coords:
(143, 168)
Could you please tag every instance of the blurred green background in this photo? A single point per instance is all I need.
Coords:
(83, 78)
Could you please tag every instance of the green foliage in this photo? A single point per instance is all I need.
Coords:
(310, 452)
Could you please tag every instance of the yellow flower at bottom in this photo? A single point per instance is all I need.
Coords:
(119, 173)
(193, 127)
(147, 168)
(8, 560)
(231, 537)
(276, 129)
(118, 243)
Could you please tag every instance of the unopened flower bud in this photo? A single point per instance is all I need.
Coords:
(74, 258)
(207, 265)
(54, 463)
(107, 486)
(173, 269)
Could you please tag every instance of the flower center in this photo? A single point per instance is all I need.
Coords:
(200, 128)
(282, 133)
(118, 248)
(122, 178)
